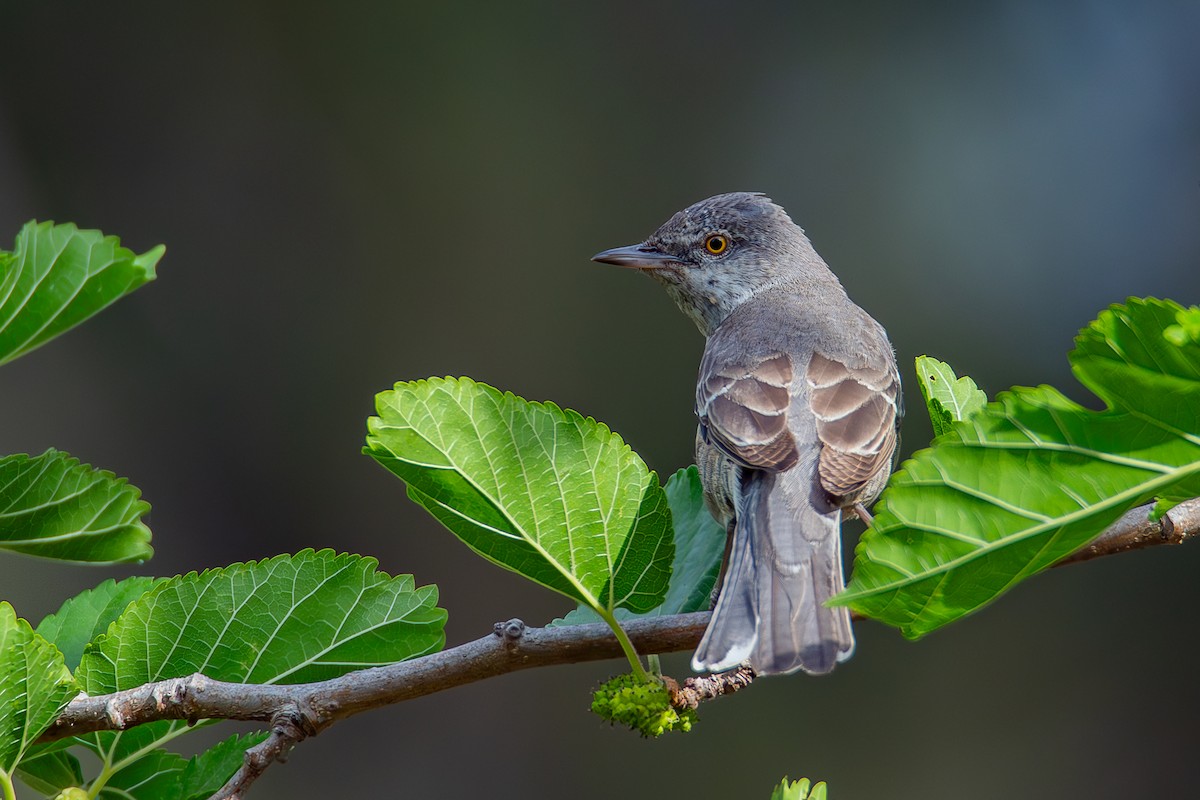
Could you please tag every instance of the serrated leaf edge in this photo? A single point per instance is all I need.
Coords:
(376, 423)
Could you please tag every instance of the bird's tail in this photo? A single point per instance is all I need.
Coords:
(785, 562)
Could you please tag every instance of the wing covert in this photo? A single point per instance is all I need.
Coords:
(857, 410)
(743, 409)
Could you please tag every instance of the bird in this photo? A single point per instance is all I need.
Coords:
(799, 404)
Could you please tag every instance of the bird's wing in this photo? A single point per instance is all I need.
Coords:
(857, 409)
(742, 404)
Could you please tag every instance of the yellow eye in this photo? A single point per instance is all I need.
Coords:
(716, 244)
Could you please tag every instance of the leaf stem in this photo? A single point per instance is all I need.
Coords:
(99, 782)
(6, 781)
(626, 645)
(174, 732)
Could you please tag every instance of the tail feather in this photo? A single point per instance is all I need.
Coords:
(785, 563)
(731, 642)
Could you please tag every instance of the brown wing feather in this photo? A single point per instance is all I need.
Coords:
(743, 410)
(857, 411)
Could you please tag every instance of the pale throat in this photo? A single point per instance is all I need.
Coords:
(708, 300)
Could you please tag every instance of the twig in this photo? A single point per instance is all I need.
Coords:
(285, 734)
(1135, 530)
(696, 690)
(302, 710)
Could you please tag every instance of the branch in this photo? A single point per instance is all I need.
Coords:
(509, 648)
(1135, 530)
(298, 711)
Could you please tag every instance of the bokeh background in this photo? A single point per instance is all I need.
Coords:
(357, 193)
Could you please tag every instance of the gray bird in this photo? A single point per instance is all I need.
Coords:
(799, 401)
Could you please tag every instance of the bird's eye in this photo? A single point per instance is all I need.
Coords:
(716, 244)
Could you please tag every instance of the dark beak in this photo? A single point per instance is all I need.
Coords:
(637, 256)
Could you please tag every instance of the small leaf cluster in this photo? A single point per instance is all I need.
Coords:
(802, 789)
(52, 506)
(948, 397)
(642, 704)
(1186, 328)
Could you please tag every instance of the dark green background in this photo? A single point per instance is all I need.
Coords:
(357, 193)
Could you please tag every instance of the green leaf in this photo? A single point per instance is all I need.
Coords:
(154, 775)
(799, 790)
(209, 771)
(699, 547)
(288, 619)
(57, 276)
(86, 615)
(949, 398)
(50, 768)
(54, 507)
(1034, 476)
(119, 751)
(34, 687)
(538, 490)
(163, 775)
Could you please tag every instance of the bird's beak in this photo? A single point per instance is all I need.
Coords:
(637, 256)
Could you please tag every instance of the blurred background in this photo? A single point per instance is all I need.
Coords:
(357, 193)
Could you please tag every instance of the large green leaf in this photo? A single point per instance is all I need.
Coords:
(699, 546)
(57, 276)
(288, 619)
(54, 507)
(1033, 476)
(89, 613)
(34, 687)
(948, 397)
(534, 488)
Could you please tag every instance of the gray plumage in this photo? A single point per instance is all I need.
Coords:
(799, 401)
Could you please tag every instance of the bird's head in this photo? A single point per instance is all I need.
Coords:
(715, 254)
